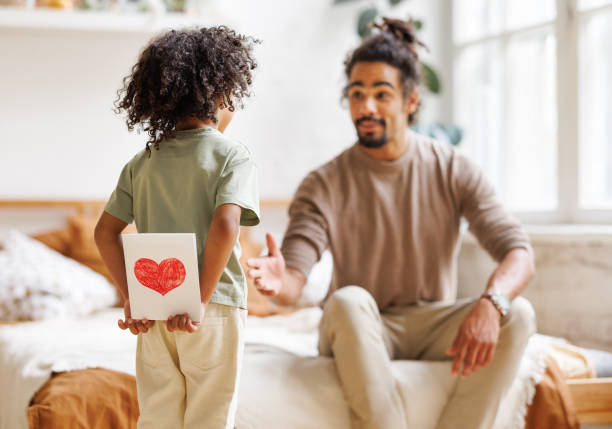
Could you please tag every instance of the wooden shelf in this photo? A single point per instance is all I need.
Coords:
(83, 20)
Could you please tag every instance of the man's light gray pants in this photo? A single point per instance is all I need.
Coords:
(363, 341)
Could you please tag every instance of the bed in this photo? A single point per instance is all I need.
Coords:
(58, 373)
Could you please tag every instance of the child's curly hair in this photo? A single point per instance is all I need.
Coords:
(186, 73)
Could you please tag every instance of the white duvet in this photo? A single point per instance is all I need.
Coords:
(284, 383)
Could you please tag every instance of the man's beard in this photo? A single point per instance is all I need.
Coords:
(372, 142)
(369, 140)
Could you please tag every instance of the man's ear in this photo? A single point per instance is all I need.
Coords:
(411, 103)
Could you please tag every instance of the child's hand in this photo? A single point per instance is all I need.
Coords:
(182, 322)
(135, 326)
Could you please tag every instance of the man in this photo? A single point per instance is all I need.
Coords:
(389, 210)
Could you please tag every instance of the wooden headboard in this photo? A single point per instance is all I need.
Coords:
(93, 208)
(84, 206)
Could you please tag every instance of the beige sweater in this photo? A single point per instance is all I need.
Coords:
(393, 226)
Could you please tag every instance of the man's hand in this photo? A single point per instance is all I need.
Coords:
(476, 340)
(134, 325)
(268, 271)
(182, 322)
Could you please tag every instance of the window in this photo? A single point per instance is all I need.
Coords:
(595, 104)
(533, 94)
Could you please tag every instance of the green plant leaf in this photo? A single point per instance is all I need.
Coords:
(363, 23)
(394, 2)
(344, 1)
(430, 79)
(417, 24)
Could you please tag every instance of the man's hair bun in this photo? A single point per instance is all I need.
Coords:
(402, 31)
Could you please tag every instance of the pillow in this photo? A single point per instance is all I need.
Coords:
(83, 246)
(58, 240)
(318, 281)
(37, 282)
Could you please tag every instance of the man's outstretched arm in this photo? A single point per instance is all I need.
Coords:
(305, 240)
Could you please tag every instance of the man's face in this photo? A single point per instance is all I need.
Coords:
(376, 102)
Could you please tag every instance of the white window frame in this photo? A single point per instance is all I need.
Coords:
(567, 23)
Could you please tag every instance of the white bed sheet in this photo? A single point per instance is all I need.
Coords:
(284, 383)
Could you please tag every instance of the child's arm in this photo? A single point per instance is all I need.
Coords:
(220, 241)
(219, 244)
(107, 236)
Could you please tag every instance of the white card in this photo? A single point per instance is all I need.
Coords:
(162, 275)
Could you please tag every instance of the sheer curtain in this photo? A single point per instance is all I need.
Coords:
(506, 55)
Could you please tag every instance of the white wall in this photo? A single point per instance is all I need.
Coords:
(60, 139)
(572, 288)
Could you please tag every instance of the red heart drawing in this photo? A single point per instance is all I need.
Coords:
(162, 278)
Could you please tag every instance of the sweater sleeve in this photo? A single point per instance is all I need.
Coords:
(307, 233)
(495, 229)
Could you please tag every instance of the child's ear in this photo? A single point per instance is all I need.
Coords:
(224, 116)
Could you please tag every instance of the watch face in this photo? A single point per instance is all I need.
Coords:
(501, 302)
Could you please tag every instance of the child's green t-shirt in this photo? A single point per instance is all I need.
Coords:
(178, 188)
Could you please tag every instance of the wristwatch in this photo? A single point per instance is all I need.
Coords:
(500, 302)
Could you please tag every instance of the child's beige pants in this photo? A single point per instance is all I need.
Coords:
(190, 380)
(363, 341)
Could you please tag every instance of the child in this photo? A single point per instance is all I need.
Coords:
(182, 91)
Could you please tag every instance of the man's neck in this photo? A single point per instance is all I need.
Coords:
(390, 151)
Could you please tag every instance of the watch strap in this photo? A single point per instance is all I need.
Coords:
(496, 300)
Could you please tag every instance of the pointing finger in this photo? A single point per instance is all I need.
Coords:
(272, 247)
